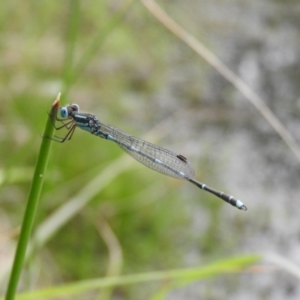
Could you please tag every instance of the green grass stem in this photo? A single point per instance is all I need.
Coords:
(32, 202)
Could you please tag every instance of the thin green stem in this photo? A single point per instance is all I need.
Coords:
(71, 37)
(31, 207)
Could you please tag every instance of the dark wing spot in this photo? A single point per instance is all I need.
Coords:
(181, 157)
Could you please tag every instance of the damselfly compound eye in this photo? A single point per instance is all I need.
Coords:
(64, 112)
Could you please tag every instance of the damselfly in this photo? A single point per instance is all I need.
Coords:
(152, 156)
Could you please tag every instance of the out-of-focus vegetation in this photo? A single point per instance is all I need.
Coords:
(115, 60)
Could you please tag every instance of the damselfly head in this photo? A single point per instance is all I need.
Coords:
(67, 111)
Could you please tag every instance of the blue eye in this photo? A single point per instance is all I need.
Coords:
(64, 112)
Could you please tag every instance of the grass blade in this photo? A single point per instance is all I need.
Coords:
(32, 202)
(184, 276)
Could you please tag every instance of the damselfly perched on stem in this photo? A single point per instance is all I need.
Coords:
(152, 156)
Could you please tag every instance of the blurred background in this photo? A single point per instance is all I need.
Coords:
(115, 60)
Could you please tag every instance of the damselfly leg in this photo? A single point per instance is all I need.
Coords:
(68, 124)
(53, 115)
(68, 135)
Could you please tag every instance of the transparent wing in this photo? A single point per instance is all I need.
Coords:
(152, 156)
